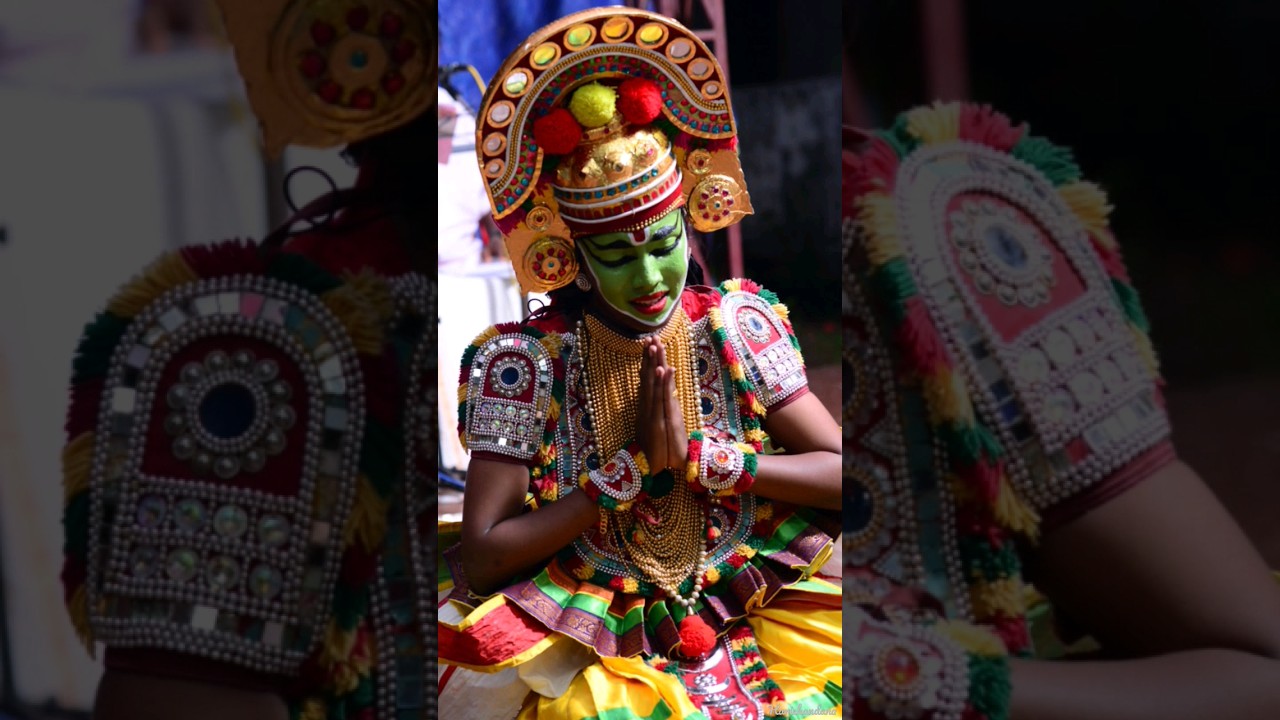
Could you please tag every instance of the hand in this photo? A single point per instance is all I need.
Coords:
(661, 431)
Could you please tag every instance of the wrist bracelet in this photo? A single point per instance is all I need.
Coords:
(620, 482)
(720, 468)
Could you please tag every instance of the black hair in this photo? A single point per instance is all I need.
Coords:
(570, 300)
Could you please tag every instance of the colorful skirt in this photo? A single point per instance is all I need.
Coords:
(781, 659)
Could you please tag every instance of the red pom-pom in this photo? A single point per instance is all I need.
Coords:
(557, 132)
(696, 637)
(639, 101)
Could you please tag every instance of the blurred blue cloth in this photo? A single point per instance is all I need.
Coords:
(483, 32)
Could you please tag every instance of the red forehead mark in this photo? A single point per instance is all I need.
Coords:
(638, 236)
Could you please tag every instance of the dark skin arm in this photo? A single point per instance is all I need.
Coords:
(1161, 573)
(126, 696)
(500, 541)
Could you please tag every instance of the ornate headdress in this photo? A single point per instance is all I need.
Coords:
(324, 73)
(603, 122)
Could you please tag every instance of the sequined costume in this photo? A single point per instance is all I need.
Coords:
(251, 430)
(1004, 383)
(598, 631)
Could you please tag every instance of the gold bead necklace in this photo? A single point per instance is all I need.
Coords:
(673, 549)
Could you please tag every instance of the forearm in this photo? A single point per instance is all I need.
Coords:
(1189, 685)
(811, 479)
(518, 543)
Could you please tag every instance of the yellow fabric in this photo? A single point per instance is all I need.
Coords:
(799, 641)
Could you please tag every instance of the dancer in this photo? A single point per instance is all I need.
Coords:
(628, 548)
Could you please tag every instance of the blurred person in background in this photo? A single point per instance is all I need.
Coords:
(1007, 427)
(252, 433)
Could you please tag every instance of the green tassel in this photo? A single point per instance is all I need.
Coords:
(1132, 305)
(75, 522)
(297, 270)
(892, 282)
(985, 562)
(902, 142)
(350, 605)
(768, 296)
(362, 697)
(660, 485)
(381, 456)
(989, 687)
(1055, 161)
(97, 345)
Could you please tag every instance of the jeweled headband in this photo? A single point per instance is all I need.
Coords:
(603, 122)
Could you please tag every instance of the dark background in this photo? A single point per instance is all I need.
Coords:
(1172, 108)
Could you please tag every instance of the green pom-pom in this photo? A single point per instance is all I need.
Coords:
(593, 105)
(660, 485)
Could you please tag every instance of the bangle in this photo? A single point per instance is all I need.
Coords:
(620, 482)
(720, 468)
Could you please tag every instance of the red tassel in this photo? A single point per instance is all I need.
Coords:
(696, 637)
(639, 101)
(919, 338)
(981, 124)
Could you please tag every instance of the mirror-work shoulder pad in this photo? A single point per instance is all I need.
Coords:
(992, 266)
(214, 460)
(757, 329)
(511, 386)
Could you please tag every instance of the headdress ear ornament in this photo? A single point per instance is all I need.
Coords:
(325, 74)
(604, 122)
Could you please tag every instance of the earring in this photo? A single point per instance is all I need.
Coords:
(583, 282)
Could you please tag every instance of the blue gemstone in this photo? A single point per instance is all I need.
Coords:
(510, 376)
(707, 406)
(611, 191)
(1006, 246)
(359, 59)
(859, 508)
(500, 207)
(228, 410)
(599, 194)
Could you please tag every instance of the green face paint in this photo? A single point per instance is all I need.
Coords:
(640, 275)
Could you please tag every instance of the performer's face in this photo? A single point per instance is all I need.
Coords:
(638, 276)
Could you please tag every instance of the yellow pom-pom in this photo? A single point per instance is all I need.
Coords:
(593, 105)
(629, 585)
(584, 572)
(713, 576)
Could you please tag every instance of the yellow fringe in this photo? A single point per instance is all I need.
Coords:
(1014, 514)
(732, 285)
(368, 522)
(973, 639)
(1105, 238)
(947, 398)
(755, 435)
(78, 610)
(1146, 350)
(375, 290)
(313, 709)
(166, 273)
(489, 333)
(358, 316)
(937, 123)
(77, 463)
(880, 218)
(1002, 598)
(782, 311)
(1089, 203)
(552, 344)
(758, 408)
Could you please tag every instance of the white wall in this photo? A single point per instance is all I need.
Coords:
(90, 190)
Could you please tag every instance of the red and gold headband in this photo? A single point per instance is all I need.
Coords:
(604, 122)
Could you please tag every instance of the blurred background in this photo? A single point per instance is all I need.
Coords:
(123, 133)
(1173, 109)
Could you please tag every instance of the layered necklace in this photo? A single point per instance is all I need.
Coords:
(674, 548)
